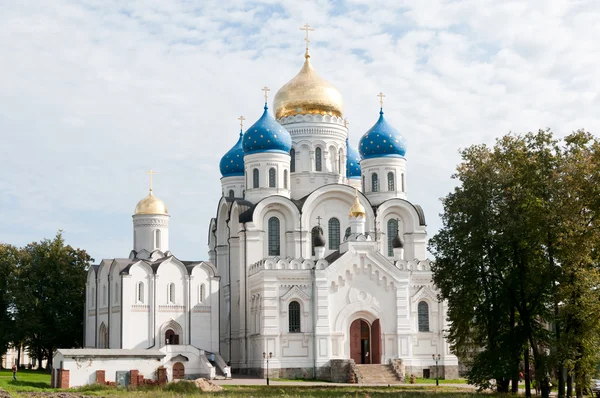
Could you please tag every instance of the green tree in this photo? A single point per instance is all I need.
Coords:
(50, 295)
(9, 256)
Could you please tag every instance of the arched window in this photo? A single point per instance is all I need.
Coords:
(340, 157)
(318, 160)
(273, 238)
(364, 189)
(391, 185)
(314, 232)
(374, 182)
(347, 233)
(294, 316)
(93, 298)
(402, 182)
(292, 160)
(103, 336)
(157, 239)
(171, 293)
(272, 178)
(140, 292)
(285, 179)
(334, 233)
(423, 314)
(231, 193)
(392, 231)
(103, 294)
(255, 179)
(201, 294)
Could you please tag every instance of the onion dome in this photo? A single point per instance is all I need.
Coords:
(232, 164)
(318, 240)
(382, 140)
(352, 162)
(266, 135)
(308, 93)
(151, 205)
(397, 242)
(357, 209)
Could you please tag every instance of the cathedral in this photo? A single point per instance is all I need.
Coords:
(321, 255)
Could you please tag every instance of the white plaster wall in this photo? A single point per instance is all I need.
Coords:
(90, 309)
(263, 162)
(235, 184)
(145, 227)
(137, 330)
(169, 273)
(382, 166)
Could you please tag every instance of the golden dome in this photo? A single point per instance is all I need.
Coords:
(357, 209)
(151, 205)
(308, 93)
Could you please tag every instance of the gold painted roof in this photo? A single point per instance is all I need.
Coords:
(357, 209)
(308, 93)
(151, 205)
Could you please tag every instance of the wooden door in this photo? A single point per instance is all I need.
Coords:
(355, 342)
(376, 342)
(178, 371)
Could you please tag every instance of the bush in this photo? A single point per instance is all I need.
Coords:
(182, 387)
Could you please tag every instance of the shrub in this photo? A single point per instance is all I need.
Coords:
(182, 387)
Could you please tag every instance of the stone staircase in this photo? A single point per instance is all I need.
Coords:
(377, 374)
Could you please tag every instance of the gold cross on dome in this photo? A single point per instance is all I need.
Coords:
(150, 173)
(266, 90)
(380, 95)
(241, 119)
(307, 29)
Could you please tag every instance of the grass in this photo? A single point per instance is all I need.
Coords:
(34, 381)
(442, 381)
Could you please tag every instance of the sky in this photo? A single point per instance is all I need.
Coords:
(95, 93)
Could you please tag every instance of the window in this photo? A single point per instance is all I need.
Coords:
(116, 293)
(374, 182)
(292, 160)
(340, 157)
(140, 292)
(391, 186)
(157, 239)
(392, 231)
(364, 185)
(334, 234)
(255, 180)
(93, 298)
(294, 315)
(285, 179)
(171, 293)
(402, 182)
(272, 178)
(314, 232)
(318, 160)
(103, 294)
(273, 237)
(423, 313)
(348, 232)
(231, 193)
(201, 293)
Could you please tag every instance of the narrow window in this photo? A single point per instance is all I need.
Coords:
(93, 298)
(201, 293)
(292, 160)
(171, 293)
(374, 182)
(364, 185)
(391, 186)
(392, 231)
(272, 177)
(318, 161)
(255, 178)
(294, 314)
(348, 232)
(140, 292)
(104, 295)
(334, 234)
(423, 314)
(403, 182)
(273, 237)
(231, 193)
(116, 293)
(285, 178)
(340, 157)
(157, 238)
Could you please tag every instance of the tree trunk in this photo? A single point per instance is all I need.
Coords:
(18, 347)
(526, 373)
(515, 352)
(569, 384)
(561, 380)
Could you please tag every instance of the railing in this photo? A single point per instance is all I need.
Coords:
(220, 362)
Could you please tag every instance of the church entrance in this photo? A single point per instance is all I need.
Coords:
(178, 371)
(365, 342)
(171, 337)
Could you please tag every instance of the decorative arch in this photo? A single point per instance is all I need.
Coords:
(171, 332)
(103, 336)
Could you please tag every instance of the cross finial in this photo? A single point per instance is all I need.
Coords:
(241, 119)
(150, 173)
(307, 29)
(319, 221)
(266, 90)
(381, 95)
(346, 123)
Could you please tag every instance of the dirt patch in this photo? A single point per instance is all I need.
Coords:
(51, 395)
(4, 394)
(207, 385)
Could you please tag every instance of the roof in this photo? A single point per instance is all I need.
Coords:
(105, 352)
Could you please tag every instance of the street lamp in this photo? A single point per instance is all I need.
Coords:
(436, 359)
(267, 358)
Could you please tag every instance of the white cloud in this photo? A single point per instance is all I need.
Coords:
(94, 93)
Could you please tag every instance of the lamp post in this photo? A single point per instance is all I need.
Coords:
(267, 357)
(436, 359)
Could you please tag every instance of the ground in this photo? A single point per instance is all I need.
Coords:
(37, 385)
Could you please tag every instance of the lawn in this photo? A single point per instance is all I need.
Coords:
(32, 381)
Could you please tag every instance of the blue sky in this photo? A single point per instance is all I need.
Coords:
(94, 93)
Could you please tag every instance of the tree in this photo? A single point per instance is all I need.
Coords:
(50, 295)
(8, 263)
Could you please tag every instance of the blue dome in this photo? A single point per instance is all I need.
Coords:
(232, 164)
(352, 162)
(266, 135)
(382, 140)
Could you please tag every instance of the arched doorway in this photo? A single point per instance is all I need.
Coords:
(365, 342)
(171, 337)
(178, 371)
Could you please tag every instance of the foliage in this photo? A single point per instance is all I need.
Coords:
(517, 258)
(8, 260)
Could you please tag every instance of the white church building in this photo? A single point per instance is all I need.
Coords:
(321, 255)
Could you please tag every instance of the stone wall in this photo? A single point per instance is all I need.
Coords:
(445, 372)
